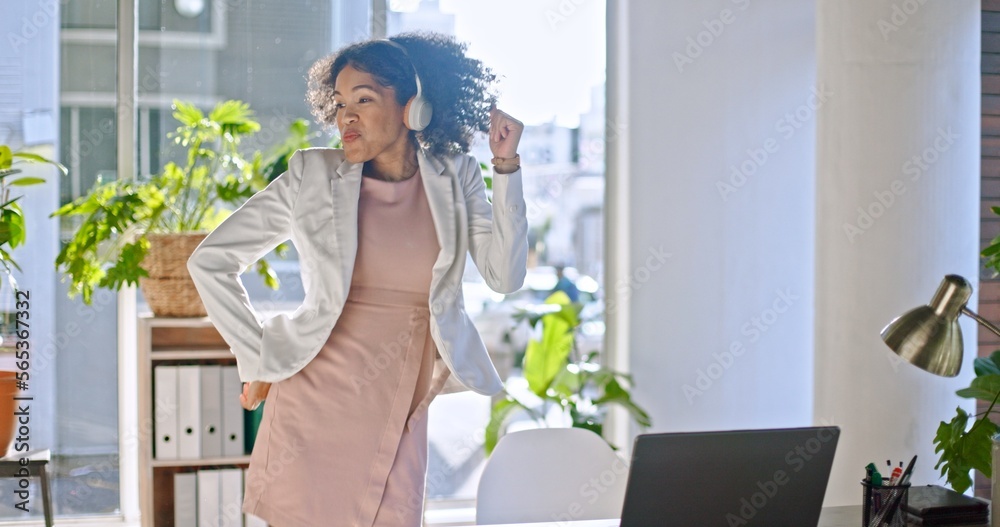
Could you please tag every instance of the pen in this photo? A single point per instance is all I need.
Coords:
(889, 512)
(875, 479)
(866, 509)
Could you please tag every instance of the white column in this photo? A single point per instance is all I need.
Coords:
(712, 176)
(897, 209)
(129, 429)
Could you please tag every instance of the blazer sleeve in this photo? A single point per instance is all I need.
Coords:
(498, 233)
(250, 232)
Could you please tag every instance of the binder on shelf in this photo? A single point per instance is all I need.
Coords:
(230, 497)
(211, 410)
(208, 497)
(188, 412)
(165, 411)
(232, 413)
(185, 499)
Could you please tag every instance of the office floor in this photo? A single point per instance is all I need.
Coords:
(80, 485)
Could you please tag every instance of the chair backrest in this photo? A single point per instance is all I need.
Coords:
(551, 474)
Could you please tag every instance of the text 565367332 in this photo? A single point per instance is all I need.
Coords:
(22, 350)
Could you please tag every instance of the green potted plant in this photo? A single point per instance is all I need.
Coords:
(13, 234)
(557, 375)
(963, 447)
(144, 231)
(13, 231)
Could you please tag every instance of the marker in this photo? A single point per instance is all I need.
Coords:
(896, 474)
(897, 497)
(876, 477)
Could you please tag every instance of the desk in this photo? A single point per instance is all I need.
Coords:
(849, 516)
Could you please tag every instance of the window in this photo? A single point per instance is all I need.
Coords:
(199, 51)
(559, 95)
(205, 51)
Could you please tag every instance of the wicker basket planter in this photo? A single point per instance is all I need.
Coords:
(169, 289)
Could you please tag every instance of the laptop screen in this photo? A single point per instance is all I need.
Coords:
(747, 478)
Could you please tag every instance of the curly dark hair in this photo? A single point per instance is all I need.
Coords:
(459, 88)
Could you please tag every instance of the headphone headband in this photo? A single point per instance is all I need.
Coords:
(413, 66)
(418, 111)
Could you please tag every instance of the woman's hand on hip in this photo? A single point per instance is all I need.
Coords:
(254, 393)
(505, 133)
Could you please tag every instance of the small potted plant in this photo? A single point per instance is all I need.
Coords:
(559, 377)
(13, 231)
(13, 234)
(144, 231)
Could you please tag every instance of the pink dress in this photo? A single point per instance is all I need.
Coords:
(343, 442)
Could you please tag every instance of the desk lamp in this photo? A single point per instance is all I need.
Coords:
(929, 336)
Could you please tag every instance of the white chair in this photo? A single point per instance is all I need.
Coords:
(551, 474)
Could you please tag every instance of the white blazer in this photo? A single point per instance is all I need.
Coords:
(315, 205)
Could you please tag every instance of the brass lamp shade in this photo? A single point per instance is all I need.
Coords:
(929, 336)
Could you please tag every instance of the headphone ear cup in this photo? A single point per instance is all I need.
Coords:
(417, 114)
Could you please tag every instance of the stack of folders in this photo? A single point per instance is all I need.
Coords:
(932, 505)
(211, 498)
(197, 412)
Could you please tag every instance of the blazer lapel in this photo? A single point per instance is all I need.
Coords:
(346, 189)
(439, 188)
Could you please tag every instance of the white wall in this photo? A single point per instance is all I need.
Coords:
(736, 254)
(749, 84)
(907, 83)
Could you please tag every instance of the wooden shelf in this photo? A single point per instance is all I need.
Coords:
(200, 462)
(161, 340)
(208, 354)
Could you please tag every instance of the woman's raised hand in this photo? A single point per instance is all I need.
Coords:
(254, 393)
(505, 133)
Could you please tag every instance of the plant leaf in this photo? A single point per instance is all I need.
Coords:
(39, 159)
(983, 387)
(6, 158)
(544, 358)
(267, 273)
(25, 181)
(615, 393)
(498, 415)
(187, 114)
(987, 365)
(567, 382)
(961, 452)
(12, 226)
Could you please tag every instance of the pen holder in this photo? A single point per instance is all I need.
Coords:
(884, 505)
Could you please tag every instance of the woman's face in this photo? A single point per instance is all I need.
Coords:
(368, 117)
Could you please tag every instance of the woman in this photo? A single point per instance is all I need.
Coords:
(382, 228)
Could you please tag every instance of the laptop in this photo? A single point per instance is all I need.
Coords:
(747, 478)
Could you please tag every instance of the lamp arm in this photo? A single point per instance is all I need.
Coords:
(981, 320)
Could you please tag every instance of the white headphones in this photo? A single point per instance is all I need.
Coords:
(418, 111)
